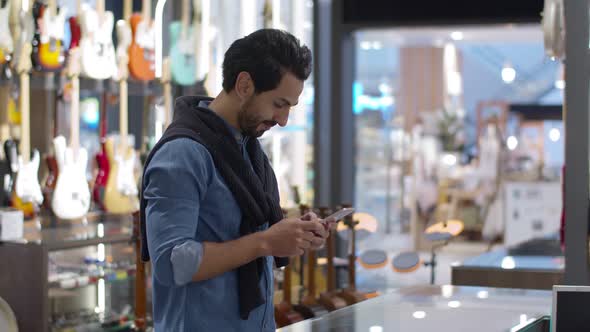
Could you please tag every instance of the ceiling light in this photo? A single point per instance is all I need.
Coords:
(508, 263)
(512, 143)
(560, 84)
(365, 45)
(508, 73)
(376, 328)
(377, 45)
(554, 134)
(457, 35)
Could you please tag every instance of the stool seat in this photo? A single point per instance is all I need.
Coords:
(373, 259)
(438, 236)
(406, 262)
(454, 227)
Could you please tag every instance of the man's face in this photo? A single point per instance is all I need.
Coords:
(260, 112)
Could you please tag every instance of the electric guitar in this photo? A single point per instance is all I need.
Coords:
(48, 47)
(102, 160)
(121, 189)
(98, 53)
(6, 42)
(27, 191)
(142, 48)
(182, 52)
(71, 198)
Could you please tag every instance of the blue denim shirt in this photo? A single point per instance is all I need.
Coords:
(188, 203)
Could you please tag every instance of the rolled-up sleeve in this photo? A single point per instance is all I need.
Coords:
(176, 181)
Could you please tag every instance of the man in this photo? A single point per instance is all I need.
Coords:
(210, 208)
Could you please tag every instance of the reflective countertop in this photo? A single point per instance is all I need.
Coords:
(436, 308)
(501, 259)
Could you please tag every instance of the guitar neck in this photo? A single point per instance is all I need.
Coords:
(123, 113)
(127, 9)
(75, 114)
(100, 7)
(331, 282)
(52, 6)
(287, 283)
(25, 142)
(167, 90)
(185, 16)
(146, 10)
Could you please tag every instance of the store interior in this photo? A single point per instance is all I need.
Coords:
(446, 136)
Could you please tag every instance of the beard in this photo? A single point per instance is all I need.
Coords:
(249, 121)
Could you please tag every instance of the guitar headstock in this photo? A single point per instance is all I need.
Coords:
(123, 42)
(267, 14)
(24, 60)
(73, 67)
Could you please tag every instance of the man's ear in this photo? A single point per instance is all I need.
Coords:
(244, 85)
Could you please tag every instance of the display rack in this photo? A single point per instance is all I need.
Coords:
(25, 283)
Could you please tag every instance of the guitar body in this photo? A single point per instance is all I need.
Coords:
(141, 50)
(121, 189)
(182, 54)
(71, 198)
(332, 301)
(27, 190)
(98, 52)
(49, 53)
(50, 180)
(100, 183)
(75, 33)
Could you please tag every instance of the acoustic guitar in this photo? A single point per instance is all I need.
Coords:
(121, 188)
(71, 198)
(98, 53)
(350, 294)
(182, 52)
(309, 306)
(49, 51)
(330, 298)
(142, 48)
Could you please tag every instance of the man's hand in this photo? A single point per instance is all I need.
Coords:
(320, 237)
(292, 236)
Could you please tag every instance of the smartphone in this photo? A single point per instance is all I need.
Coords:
(338, 215)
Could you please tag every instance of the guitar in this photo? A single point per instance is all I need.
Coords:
(350, 294)
(330, 298)
(48, 47)
(102, 160)
(284, 312)
(182, 52)
(309, 306)
(27, 190)
(6, 42)
(71, 198)
(98, 53)
(121, 188)
(141, 50)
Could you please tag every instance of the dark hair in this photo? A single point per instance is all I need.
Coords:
(266, 54)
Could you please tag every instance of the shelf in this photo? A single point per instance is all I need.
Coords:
(94, 229)
(77, 281)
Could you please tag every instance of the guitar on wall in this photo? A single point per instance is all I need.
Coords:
(71, 198)
(27, 191)
(102, 161)
(142, 48)
(6, 42)
(121, 188)
(182, 52)
(98, 53)
(49, 51)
